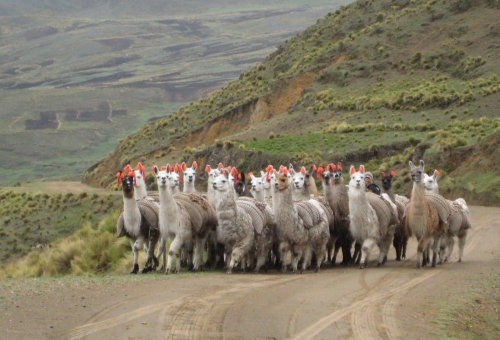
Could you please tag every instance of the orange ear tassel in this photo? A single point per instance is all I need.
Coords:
(302, 170)
(169, 168)
(119, 176)
(195, 165)
(250, 174)
(208, 168)
(392, 173)
(319, 171)
(339, 167)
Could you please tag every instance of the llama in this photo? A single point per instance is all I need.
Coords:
(368, 227)
(173, 178)
(304, 185)
(459, 226)
(336, 194)
(257, 187)
(184, 217)
(459, 221)
(240, 186)
(400, 234)
(189, 176)
(235, 229)
(430, 182)
(300, 226)
(138, 222)
(422, 218)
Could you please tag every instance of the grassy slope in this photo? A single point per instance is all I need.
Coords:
(369, 75)
(149, 58)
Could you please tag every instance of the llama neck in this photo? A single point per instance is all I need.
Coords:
(313, 190)
(189, 187)
(418, 199)
(259, 196)
(283, 204)
(301, 194)
(338, 197)
(169, 210)
(391, 194)
(131, 215)
(225, 201)
(140, 191)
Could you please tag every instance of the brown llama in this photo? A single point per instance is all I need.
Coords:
(422, 218)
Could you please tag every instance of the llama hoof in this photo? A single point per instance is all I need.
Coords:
(229, 272)
(379, 265)
(459, 260)
(176, 271)
(162, 268)
(398, 259)
(135, 270)
(317, 270)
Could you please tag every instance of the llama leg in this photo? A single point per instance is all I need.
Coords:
(450, 245)
(385, 244)
(136, 246)
(435, 250)
(365, 252)
(198, 256)
(152, 261)
(307, 257)
(404, 244)
(357, 253)
(462, 238)
(320, 254)
(283, 250)
(422, 245)
(297, 254)
(162, 253)
(397, 246)
(174, 251)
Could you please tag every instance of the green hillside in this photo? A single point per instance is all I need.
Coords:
(379, 82)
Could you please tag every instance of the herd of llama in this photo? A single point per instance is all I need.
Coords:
(280, 220)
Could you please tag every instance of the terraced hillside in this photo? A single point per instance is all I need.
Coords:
(378, 82)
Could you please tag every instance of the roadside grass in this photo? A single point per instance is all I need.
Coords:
(35, 219)
(473, 311)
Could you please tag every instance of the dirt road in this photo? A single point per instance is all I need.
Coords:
(338, 303)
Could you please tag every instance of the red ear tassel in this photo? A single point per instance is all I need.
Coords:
(141, 168)
(353, 170)
(339, 167)
(436, 173)
(195, 165)
(269, 168)
(319, 171)
(392, 173)
(207, 168)
(302, 170)
(184, 166)
(169, 168)
(313, 168)
(239, 176)
(221, 166)
(333, 167)
(362, 169)
(119, 176)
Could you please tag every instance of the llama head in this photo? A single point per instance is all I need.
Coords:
(222, 182)
(386, 178)
(269, 177)
(255, 182)
(127, 180)
(431, 183)
(213, 173)
(357, 181)
(174, 176)
(336, 172)
(299, 179)
(189, 173)
(140, 175)
(282, 180)
(417, 172)
(161, 175)
(239, 183)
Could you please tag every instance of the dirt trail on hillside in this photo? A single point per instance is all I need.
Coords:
(337, 303)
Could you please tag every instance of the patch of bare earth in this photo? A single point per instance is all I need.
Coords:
(396, 301)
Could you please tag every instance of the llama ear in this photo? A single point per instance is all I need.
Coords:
(436, 174)
(169, 168)
(339, 166)
(313, 168)
(422, 165)
(221, 166)
(195, 165)
(362, 169)
(333, 167)
(352, 170)
(412, 166)
(262, 173)
(302, 170)
(269, 167)
(184, 166)
(382, 173)
(328, 167)
(392, 173)
(250, 174)
(208, 168)
(154, 168)
(290, 167)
